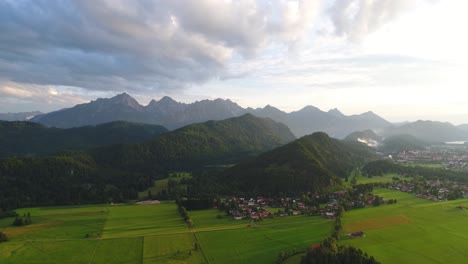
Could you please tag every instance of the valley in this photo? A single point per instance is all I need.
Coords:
(233, 132)
(237, 190)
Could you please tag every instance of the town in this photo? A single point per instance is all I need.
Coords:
(451, 157)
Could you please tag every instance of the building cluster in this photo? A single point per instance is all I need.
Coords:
(262, 207)
(434, 190)
(450, 158)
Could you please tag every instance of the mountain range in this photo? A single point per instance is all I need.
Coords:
(172, 115)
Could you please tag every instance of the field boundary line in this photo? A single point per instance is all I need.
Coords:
(200, 247)
(94, 252)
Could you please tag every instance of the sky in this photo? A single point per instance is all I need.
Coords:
(402, 59)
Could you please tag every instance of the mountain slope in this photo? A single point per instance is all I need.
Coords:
(463, 127)
(198, 145)
(397, 143)
(28, 138)
(311, 163)
(429, 131)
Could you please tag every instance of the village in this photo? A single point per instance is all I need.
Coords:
(434, 190)
(267, 207)
(328, 206)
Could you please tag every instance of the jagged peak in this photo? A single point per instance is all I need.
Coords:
(336, 112)
(124, 98)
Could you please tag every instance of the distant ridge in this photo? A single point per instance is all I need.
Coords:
(22, 116)
(429, 131)
(172, 115)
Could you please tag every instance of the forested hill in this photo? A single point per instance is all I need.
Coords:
(118, 172)
(311, 163)
(210, 143)
(20, 138)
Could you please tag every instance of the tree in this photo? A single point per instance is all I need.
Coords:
(353, 180)
(3, 237)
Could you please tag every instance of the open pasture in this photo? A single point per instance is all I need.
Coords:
(241, 241)
(118, 234)
(153, 234)
(142, 220)
(412, 231)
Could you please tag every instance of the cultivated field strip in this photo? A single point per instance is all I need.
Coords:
(152, 234)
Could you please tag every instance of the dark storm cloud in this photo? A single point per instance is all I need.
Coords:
(134, 45)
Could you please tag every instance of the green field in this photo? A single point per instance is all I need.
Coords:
(152, 234)
(387, 178)
(162, 185)
(261, 244)
(128, 234)
(412, 231)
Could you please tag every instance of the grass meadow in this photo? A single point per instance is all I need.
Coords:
(412, 231)
(152, 234)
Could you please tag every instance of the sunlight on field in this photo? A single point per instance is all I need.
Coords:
(412, 231)
(375, 223)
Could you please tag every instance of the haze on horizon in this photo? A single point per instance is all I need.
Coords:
(403, 59)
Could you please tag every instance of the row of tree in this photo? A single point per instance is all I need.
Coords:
(183, 212)
(22, 220)
(329, 252)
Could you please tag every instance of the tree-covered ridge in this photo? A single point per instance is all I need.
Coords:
(21, 138)
(70, 178)
(116, 173)
(214, 142)
(311, 163)
(398, 143)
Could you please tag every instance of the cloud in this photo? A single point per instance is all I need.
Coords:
(116, 45)
(355, 19)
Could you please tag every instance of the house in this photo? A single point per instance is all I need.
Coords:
(314, 246)
(329, 215)
(283, 214)
(254, 215)
(356, 234)
(264, 214)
